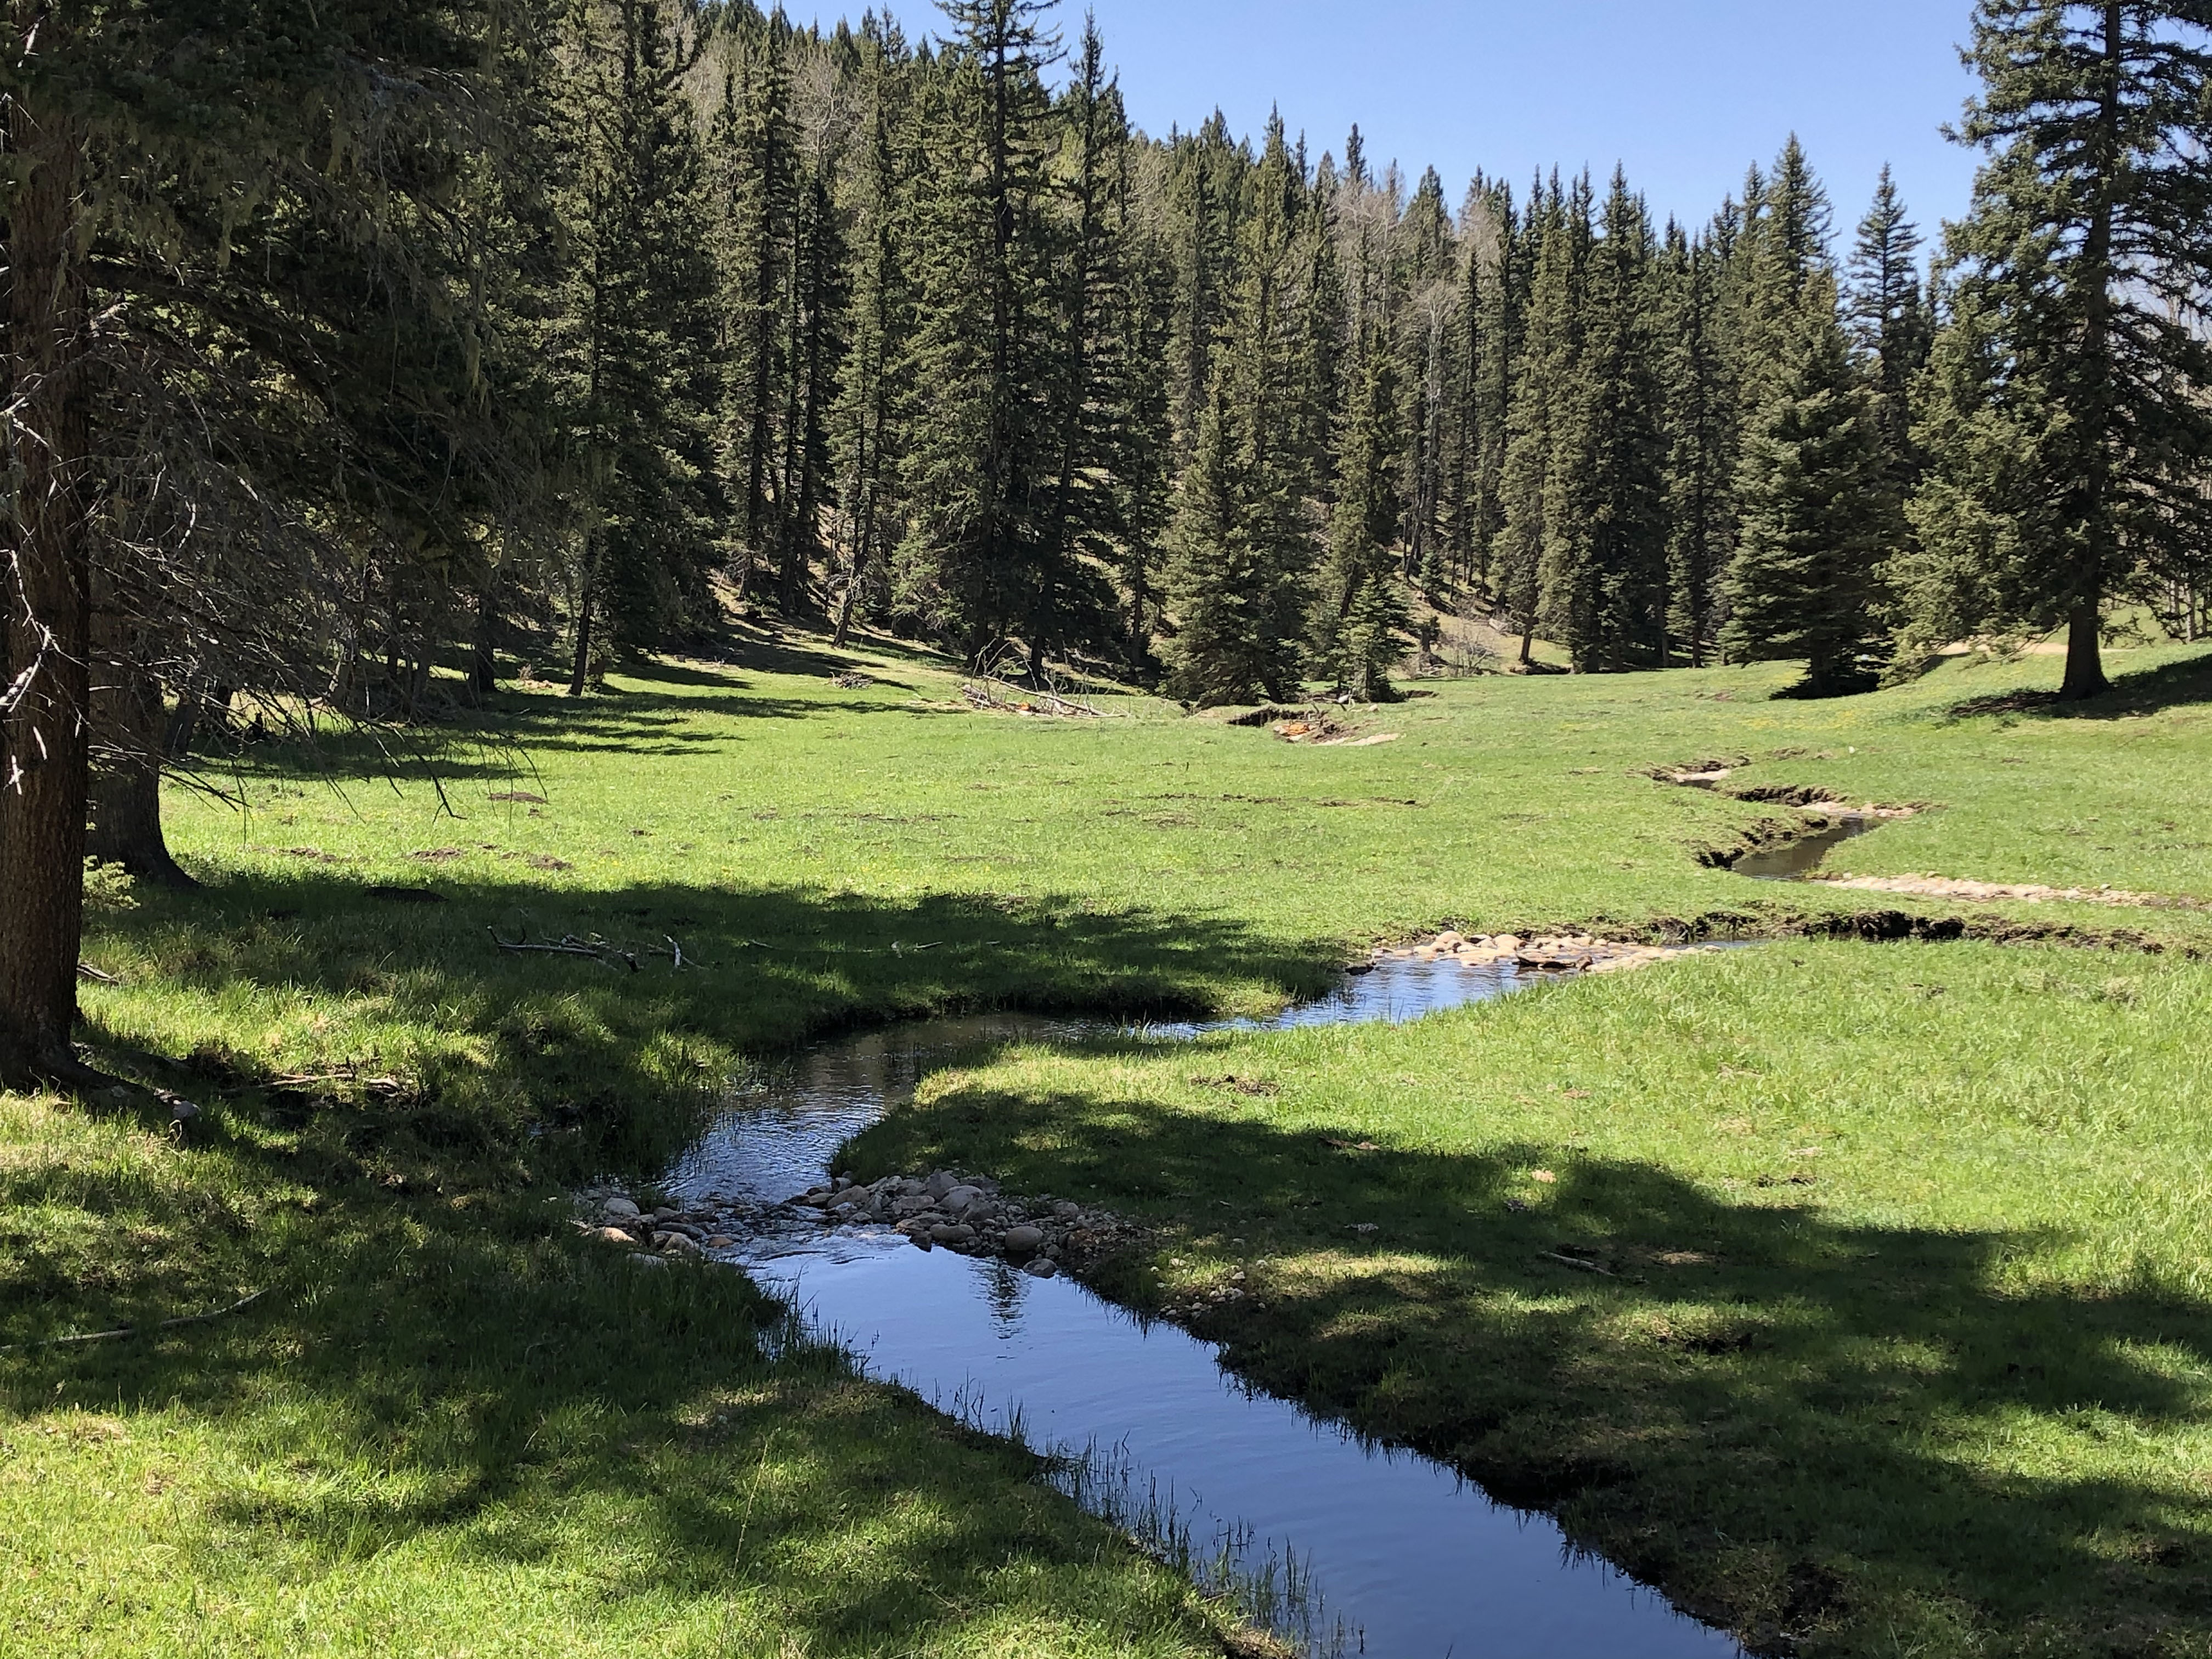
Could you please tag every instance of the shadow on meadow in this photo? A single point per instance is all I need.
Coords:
(2145, 691)
(1776, 1418)
(434, 1399)
(452, 1368)
(502, 1063)
(659, 713)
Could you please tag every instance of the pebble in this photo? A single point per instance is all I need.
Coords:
(610, 1235)
(1024, 1240)
(619, 1209)
(644, 1261)
(1042, 1268)
(951, 1232)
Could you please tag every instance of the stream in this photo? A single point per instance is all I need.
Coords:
(1796, 859)
(1339, 1545)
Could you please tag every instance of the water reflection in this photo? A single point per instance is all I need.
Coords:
(1794, 860)
(1340, 1545)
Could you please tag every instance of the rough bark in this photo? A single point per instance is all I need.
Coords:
(125, 827)
(45, 737)
(2085, 668)
(579, 677)
(2085, 663)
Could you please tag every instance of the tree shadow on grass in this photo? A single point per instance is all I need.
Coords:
(2145, 691)
(510, 1060)
(1779, 1419)
(436, 1402)
(441, 1364)
(678, 715)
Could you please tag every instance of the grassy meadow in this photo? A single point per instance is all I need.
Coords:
(1892, 1335)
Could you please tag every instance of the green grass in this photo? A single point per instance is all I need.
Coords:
(1903, 1343)
(451, 1428)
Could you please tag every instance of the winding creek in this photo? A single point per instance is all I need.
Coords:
(1340, 1545)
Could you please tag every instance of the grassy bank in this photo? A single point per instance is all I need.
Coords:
(1858, 1293)
(448, 1424)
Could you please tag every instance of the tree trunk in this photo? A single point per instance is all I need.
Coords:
(2085, 662)
(580, 676)
(127, 785)
(483, 664)
(45, 729)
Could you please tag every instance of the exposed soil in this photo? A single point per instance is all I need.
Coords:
(1563, 953)
(2018, 892)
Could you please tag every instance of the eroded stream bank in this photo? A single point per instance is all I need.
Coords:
(1338, 1545)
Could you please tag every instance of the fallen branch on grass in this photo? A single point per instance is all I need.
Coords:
(569, 945)
(134, 1330)
(1576, 1261)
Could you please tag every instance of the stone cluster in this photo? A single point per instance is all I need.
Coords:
(970, 1215)
(618, 1219)
(1551, 952)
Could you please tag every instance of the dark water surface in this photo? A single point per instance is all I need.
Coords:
(1342, 1546)
(1796, 859)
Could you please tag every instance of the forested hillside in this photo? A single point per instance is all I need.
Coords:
(360, 352)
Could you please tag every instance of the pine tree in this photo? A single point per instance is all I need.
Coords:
(1084, 422)
(1784, 250)
(1818, 516)
(1889, 318)
(646, 295)
(861, 423)
(2070, 426)
(1551, 339)
(1228, 646)
(1703, 427)
(977, 466)
(753, 149)
(1362, 621)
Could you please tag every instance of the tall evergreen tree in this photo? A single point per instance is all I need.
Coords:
(1889, 316)
(978, 462)
(2070, 425)
(1702, 427)
(646, 293)
(1607, 547)
(1818, 516)
(754, 159)
(861, 424)
(1550, 351)
(1361, 616)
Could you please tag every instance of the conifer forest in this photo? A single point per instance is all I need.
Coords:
(836, 524)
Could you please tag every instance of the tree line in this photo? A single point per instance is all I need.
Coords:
(349, 345)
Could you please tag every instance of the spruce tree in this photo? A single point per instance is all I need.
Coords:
(1817, 516)
(1362, 620)
(977, 461)
(1228, 646)
(861, 423)
(645, 293)
(1889, 318)
(1607, 566)
(1550, 349)
(1702, 427)
(2070, 426)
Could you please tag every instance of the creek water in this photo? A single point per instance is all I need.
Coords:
(1793, 860)
(1342, 1546)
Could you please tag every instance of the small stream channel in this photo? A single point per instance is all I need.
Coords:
(1340, 1545)
(1796, 859)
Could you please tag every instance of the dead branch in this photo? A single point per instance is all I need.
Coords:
(136, 1330)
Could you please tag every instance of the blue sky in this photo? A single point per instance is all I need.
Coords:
(1686, 93)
